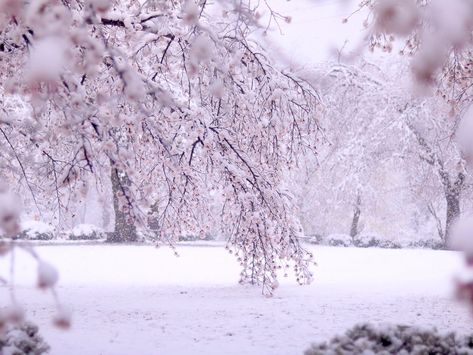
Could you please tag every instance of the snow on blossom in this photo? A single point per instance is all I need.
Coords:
(236, 59)
(191, 13)
(217, 89)
(63, 318)
(396, 16)
(201, 51)
(10, 7)
(101, 6)
(9, 213)
(428, 60)
(462, 235)
(47, 18)
(13, 313)
(47, 275)
(47, 60)
(5, 247)
(134, 87)
(452, 19)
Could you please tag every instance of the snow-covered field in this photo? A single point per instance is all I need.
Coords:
(142, 300)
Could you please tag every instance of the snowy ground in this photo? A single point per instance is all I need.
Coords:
(141, 300)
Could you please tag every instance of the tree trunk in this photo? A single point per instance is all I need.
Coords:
(452, 195)
(356, 218)
(453, 211)
(125, 230)
(438, 221)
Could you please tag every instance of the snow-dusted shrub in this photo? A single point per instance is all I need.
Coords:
(86, 232)
(315, 239)
(23, 339)
(367, 339)
(389, 244)
(192, 237)
(339, 240)
(371, 241)
(427, 244)
(404, 242)
(35, 230)
(366, 241)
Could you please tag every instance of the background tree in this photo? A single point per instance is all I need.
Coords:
(387, 158)
(356, 169)
(434, 135)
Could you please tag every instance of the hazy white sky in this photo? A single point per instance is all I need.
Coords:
(316, 30)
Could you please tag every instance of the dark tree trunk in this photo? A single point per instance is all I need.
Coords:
(453, 195)
(453, 211)
(356, 218)
(438, 221)
(125, 230)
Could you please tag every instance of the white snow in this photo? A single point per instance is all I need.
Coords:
(129, 300)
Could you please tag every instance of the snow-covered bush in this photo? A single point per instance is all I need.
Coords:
(315, 239)
(366, 241)
(404, 242)
(427, 244)
(193, 237)
(367, 339)
(361, 241)
(389, 244)
(23, 339)
(86, 232)
(35, 230)
(371, 241)
(339, 240)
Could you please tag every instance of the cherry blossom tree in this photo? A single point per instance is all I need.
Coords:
(168, 105)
